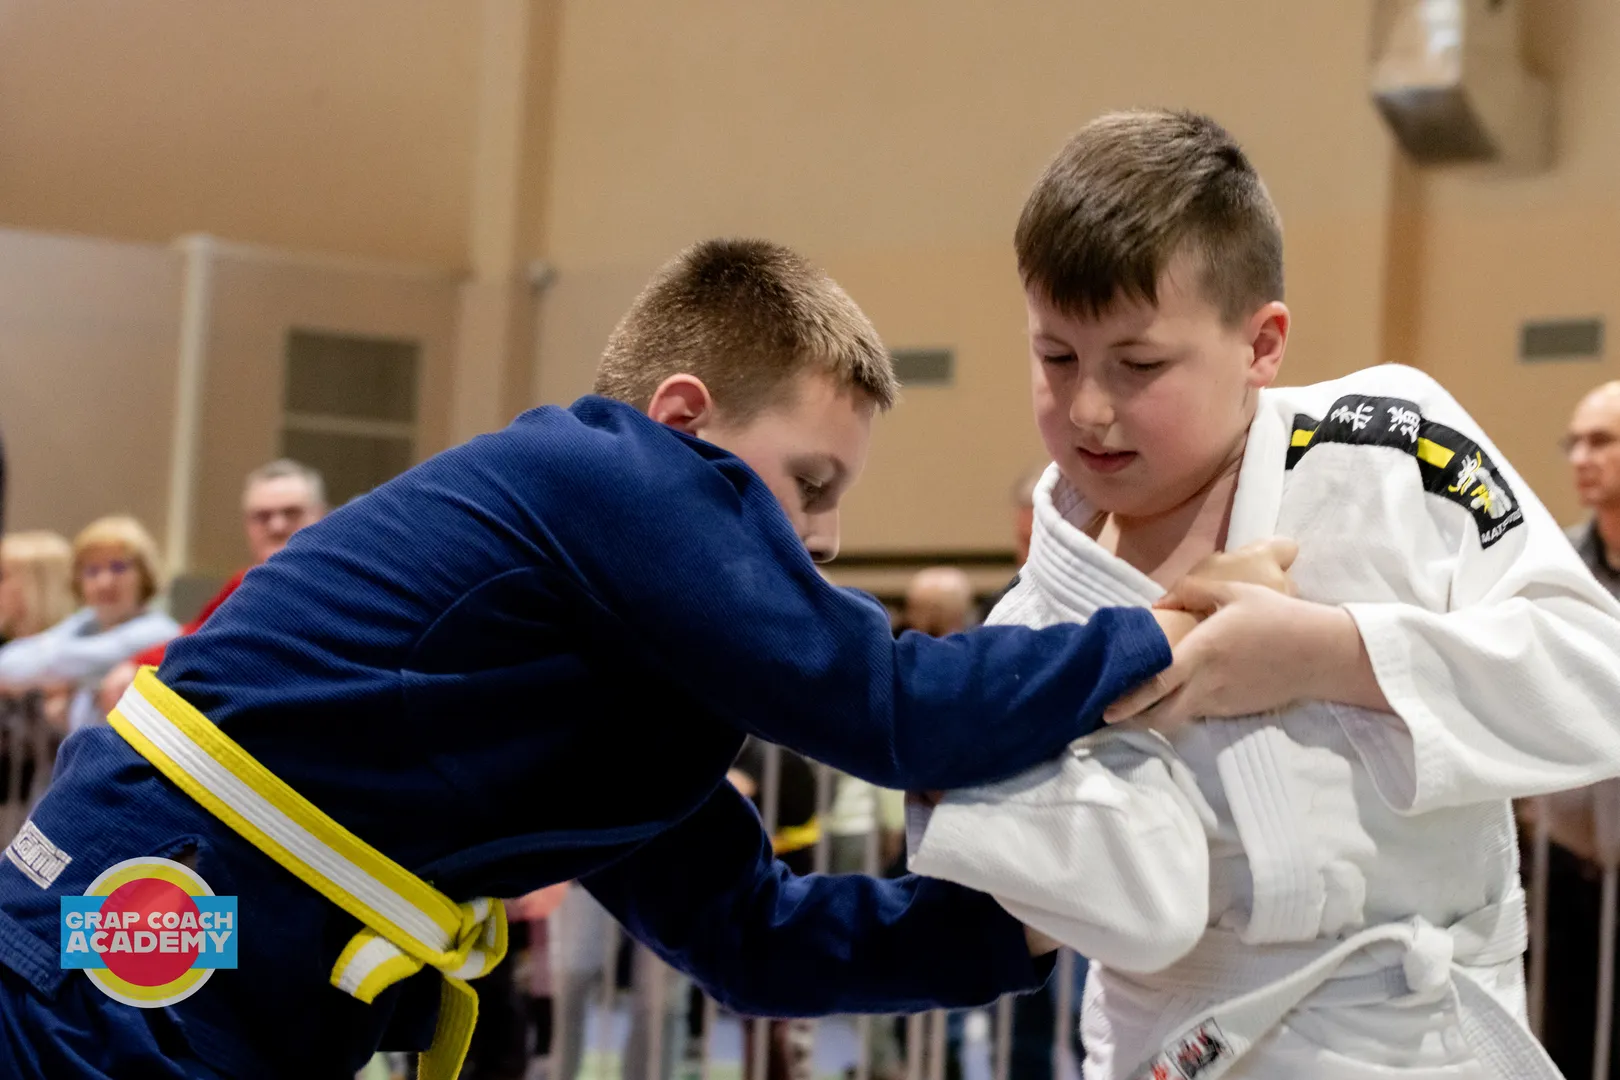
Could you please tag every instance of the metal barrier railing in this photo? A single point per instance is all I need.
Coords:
(27, 754)
(925, 1051)
(657, 995)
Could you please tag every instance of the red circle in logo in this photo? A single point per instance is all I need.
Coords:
(136, 918)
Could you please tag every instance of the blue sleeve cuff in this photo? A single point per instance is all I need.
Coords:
(1141, 651)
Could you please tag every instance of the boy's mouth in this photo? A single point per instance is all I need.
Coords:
(1105, 462)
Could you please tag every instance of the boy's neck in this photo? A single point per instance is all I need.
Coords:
(1167, 545)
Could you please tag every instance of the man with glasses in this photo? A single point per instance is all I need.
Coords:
(1574, 898)
(278, 499)
(1593, 448)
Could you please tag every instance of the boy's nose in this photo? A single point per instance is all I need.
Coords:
(821, 537)
(1091, 407)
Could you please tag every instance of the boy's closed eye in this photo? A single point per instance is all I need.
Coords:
(811, 493)
(820, 480)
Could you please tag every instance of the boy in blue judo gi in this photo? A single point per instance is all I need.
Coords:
(403, 713)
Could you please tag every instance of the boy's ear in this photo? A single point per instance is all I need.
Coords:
(1268, 336)
(682, 402)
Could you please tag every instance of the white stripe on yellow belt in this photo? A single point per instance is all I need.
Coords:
(409, 924)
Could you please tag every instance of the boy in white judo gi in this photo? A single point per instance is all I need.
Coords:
(1329, 889)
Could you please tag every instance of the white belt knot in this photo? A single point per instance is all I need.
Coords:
(1266, 984)
(1427, 960)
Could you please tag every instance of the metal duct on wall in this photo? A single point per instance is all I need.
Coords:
(1450, 81)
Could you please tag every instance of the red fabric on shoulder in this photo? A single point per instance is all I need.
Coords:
(153, 657)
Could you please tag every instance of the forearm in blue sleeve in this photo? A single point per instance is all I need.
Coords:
(695, 561)
(979, 706)
(710, 899)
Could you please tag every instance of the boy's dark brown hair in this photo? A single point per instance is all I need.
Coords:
(1132, 190)
(745, 316)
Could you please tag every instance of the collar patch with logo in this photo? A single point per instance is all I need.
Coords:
(1451, 465)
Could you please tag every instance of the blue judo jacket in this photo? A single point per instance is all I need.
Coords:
(528, 660)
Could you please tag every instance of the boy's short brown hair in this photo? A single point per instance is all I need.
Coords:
(1131, 191)
(745, 316)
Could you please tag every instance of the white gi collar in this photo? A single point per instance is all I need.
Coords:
(1071, 569)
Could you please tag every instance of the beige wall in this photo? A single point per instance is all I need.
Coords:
(89, 344)
(87, 379)
(338, 127)
(257, 297)
(895, 142)
(1498, 250)
(892, 142)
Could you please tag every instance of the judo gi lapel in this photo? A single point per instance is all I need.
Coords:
(1251, 753)
(1072, 571)
(1260, 479)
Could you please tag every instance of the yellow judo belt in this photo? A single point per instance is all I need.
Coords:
(791, 838)
(409, 924)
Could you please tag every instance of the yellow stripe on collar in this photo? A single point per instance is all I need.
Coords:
(409, 923)
(1435, 454)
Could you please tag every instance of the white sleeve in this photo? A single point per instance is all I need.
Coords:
(1514, 689)
(30, 659)
(1104, 849)
(81, 657)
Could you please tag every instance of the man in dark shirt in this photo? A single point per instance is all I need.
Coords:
(1574, 891)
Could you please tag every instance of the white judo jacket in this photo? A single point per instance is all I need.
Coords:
(1325, 891)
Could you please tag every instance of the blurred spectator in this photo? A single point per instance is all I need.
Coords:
(514, 1000)
(533, 911)
(278, 499)
(116, 574)
(939, 601)
(36, 583)
(584, 947)
(1023, 517)
(1023, 501)
(36, 593)
(1593, 447)
(499, 1048)
(1574, 889)
(582, 942)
